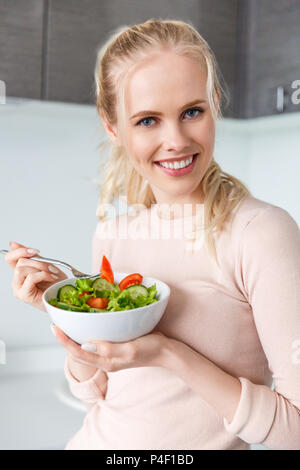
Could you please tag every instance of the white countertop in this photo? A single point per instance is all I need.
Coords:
(32, 415)
(37, 409)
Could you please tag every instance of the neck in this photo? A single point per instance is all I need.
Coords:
(175, 210)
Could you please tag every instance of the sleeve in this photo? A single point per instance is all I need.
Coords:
(270, 271)
(91, 390)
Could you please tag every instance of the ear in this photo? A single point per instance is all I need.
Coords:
(111, 130)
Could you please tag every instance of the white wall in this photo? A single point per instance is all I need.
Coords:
(48, 195)
(47, 198)
(265, 154)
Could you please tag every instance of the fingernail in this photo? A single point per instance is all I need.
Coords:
(89, 347)
(52, 328)
(52, 269)
(53, 275)
(33, 250)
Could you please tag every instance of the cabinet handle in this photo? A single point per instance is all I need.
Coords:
(280, 104)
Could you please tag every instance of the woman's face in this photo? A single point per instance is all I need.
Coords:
(167, 84)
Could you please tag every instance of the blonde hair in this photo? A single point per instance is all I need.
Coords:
(127, 47)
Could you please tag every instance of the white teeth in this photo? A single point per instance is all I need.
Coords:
(176, 165)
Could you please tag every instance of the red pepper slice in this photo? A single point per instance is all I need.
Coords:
(97, 302)
(131, 280)
(106, 271)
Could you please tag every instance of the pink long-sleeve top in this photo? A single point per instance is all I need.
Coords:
(243, 315)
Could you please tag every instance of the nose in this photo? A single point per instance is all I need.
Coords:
(175, 139)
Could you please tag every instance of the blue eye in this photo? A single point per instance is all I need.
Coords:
(195, 109)
(143, 120)
(199, 110)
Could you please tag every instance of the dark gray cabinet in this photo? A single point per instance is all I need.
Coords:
(21, 47)
(216, 21)
(269, 57)
(48, 47)
(77, 27)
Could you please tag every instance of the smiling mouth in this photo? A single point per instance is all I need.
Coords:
(194, 156)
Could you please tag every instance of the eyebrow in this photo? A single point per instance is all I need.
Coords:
(157, 113)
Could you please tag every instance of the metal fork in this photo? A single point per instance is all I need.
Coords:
(75, 272)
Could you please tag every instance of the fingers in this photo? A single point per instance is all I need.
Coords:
(81, 356)
(25, 284)
(40, 265)
(18, 251)
(31, 277)
(15, 245)
(19, 256)
(71, 346)
(24, 267)
(113, 356)
(34, 278)
(107, 349)
(20, 276)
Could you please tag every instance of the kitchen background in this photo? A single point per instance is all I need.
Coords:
(49, 158)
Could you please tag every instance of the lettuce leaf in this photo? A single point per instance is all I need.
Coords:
(84, 284)
(124, 301)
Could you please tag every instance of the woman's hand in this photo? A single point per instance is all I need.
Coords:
(31, 278)
(148, 350)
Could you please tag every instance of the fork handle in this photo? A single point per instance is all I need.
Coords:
(45, 260)
(50, 260)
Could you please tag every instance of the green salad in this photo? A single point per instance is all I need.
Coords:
(99, 295)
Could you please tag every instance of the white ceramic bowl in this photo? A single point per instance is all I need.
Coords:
(123, 325)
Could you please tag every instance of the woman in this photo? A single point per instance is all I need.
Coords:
(202, 379)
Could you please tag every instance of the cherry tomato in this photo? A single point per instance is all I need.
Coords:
(131, 280)
(97, 302)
